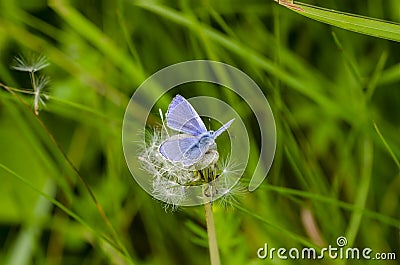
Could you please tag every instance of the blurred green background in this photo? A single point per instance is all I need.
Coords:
(334, 94)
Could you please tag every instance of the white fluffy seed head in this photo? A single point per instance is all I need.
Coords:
(170, 180)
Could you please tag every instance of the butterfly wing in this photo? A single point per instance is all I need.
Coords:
(222, 129)
(182, 117)
(183, 148)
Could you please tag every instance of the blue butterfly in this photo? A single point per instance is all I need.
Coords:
(194, 141)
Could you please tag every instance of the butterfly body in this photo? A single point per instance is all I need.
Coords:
(194, 141)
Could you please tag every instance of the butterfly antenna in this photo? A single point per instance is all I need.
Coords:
(163, 123)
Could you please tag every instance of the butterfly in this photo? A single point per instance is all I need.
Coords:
(194, 141)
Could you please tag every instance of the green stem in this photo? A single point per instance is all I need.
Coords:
(212, 238)
(362, 191)
(36, 92)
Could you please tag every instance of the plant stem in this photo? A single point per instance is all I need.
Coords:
(36, 92)
(212, 238)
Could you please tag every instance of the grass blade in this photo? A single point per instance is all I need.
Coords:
(389, 149)
(360, 24)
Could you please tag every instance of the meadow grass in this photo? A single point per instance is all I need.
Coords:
(67, 196)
